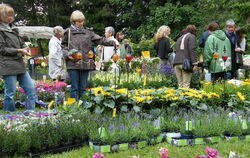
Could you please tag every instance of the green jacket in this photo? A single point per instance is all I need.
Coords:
(217, 42)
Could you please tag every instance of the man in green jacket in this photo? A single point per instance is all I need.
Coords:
(217, 45)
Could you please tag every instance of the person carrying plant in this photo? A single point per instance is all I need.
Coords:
(77, 44)
(12, 66)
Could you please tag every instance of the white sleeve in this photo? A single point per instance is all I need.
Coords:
(243, 44)
(54, 53)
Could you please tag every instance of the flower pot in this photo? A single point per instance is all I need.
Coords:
(182, 141)
(34, 51)
(123, 146)
(247, 138)
(142, 144)
(213, 139)
(101, 148)
(232, 138)
(199, 141)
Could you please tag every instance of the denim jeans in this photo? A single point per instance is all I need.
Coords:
(10, 89)
(79, 80)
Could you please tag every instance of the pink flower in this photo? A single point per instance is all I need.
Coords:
(98, 155)
(163, 152)
(211, 153)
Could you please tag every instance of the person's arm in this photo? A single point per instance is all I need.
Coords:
(192, 49)
(168, 46)
(208, 52)
(101, 40)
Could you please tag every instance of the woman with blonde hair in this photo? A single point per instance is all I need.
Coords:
(162, 45)
(79, 40)
(12, 66)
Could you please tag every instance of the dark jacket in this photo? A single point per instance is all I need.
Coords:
(163, 48)
(81, 40)
(233, 40)
(189, 50)
(11, 62)
(203, 39)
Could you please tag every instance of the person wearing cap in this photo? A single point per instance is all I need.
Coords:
(56, 54)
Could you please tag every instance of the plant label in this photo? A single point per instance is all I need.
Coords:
(102, 132)
(189, 125)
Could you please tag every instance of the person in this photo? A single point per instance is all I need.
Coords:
(12, 66)
(185, 49)
(128, 49)
(56, 54)
(162, 45)
(230, 29)
(205, 34)
(216, 46)
(79, 39)
(109, 51)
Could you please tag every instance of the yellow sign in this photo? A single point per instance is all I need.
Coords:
(114, 112)
(51, 104)
(145, 80)
(146, 54)
(71, 100)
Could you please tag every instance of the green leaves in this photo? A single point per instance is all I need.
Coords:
(109, 103)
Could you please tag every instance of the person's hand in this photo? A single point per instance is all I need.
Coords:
(24, 51)
(237, 49)
(195, 68)
(70, 57)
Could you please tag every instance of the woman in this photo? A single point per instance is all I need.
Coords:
(109, 51)
(56, 54)
(162, 46)
(185, 49)
(12, 66)
(79, 39)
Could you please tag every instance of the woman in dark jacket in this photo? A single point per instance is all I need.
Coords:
(79, 39)
(162, 46)
(185, 49)
(12, 66)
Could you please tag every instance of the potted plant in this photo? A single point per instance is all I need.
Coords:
(34, 49)
(233, 129)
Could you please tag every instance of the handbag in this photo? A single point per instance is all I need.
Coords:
(171, 57)
(187, 65)
(85, 62)
(239, 58)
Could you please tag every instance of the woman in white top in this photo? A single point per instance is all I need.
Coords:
(56, 54)
(109, 51)
(241, 40)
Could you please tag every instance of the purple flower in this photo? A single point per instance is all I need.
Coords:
(166, 70)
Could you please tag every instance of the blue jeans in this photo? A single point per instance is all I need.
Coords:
(79, 80)
(10, 89)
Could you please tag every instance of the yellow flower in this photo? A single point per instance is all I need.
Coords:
(97, 90)
(149, 98)
(122, 91)
(71, 100)
(245, 83)
(138, 70)
(241, 97)
(106, 93)
(175, 98)
(139, 99)
(214, 94)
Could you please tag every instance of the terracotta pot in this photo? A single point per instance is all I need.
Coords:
(77, 56)
(34, 51)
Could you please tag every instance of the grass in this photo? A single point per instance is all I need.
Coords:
(242, 148)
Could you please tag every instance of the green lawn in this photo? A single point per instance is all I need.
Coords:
(242, 148)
